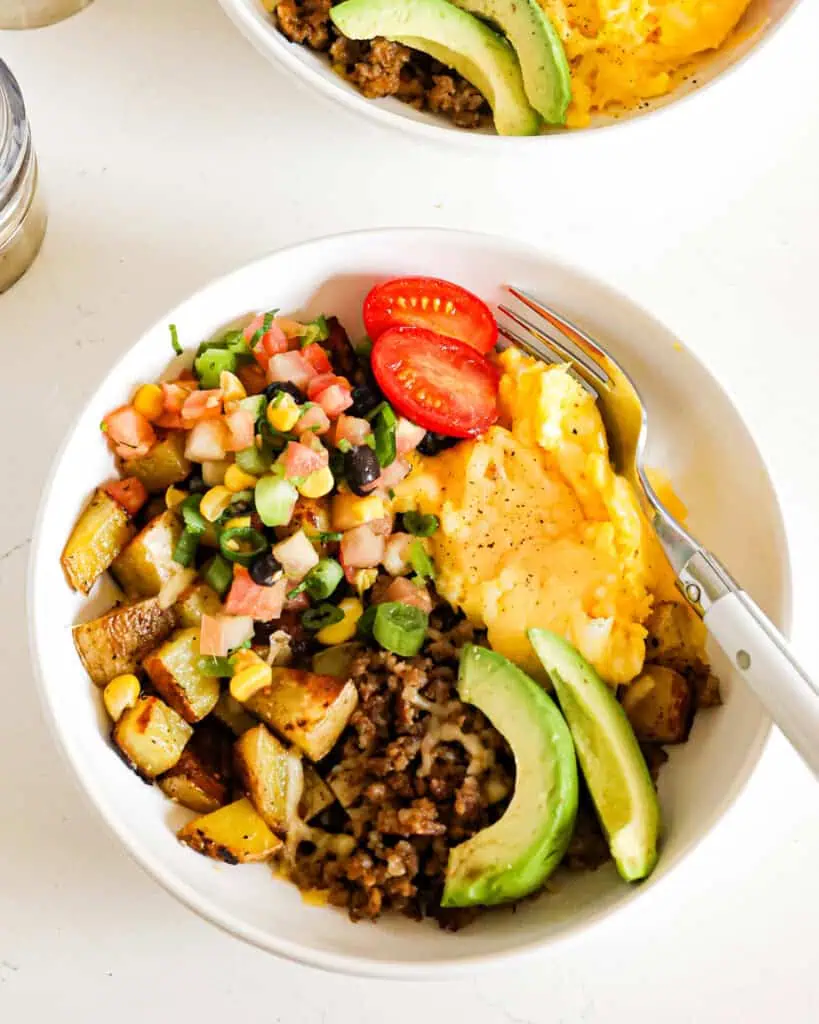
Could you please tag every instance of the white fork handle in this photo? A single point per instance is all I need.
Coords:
(763, 657)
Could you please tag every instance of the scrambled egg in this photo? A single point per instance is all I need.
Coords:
(537, 529)
(625, 51)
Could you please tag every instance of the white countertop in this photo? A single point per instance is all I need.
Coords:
(171, 153)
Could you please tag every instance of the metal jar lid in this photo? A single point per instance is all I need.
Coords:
(17, 166)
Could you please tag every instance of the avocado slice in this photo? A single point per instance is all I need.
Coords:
(513, 857)
(609, 754)
(542, 58)
(455, 38)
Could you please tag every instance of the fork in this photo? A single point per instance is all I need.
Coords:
(753, 644)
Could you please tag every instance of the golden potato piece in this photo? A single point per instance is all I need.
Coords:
(147, 562)
(164, 465)
(151, 737)
(201, 777)
(659, 704)
(116, 642)
(174, 671)
(306, 709)
(199, 599)
(100, 534)
(230, 712)
(272, 776)
(675, 632)
(316, 795)
(234, 834)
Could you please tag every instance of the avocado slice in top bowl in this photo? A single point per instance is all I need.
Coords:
(515, 856)
(542, 58)
(457, 39)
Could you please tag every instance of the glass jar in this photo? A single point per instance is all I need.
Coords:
(22, 210)
(35, 13)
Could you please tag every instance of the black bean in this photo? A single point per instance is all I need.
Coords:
(195, 484)
(264, 570)
(365, 398)
(433, 443)
(361, 469)
(284, 386)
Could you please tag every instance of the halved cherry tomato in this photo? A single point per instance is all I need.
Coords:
(434, 304)
(439, 383)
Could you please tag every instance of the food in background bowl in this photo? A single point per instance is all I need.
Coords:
(526, 64)
(303, 656)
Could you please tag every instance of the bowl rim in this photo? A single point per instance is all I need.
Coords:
(344, 963)
(249, 24)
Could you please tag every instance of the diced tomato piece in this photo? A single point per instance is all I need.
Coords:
(317, 358)
(334, 400)
(322, 382)
(408, 592)
(242, 429)
(247, 598)
(268, 344)
(351, 429)
(408, 436)
(361, 548)
(207, 441)
(314, 420)
(253, 378)
(290, 367)
(219, 634)
(202, 405)
(130, 432)
(300, 461)
(297, 603)
(392, 475)
(130, 493)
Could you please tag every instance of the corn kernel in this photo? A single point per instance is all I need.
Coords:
(317, 484)
(149, 400)
(214, 502)
(238, 523)
(233, 390)
(120, 694)
(284, 414)
(174, 496)
(250, 674)
(237, 480)
(341, 632)
(349, 510)
(364, 579)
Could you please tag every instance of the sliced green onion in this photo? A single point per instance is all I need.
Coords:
(363, 348)
(370, 440)
(323, 578)
(242, 544)
(194, 521)
(400, 628)
(344, 446)
(317, 330)
(254, 404)
(421, 525)
(315, 619)
(217, 572)
(186, 546)
(325, 536)
(267, 323)
(240, 496)
(275, 500)
(253, 460)
(209, 366)
(364, 626)
(175, 344)
(384, 431)
(298, 589)
(236, 342)
(211, 665)
(420, 561)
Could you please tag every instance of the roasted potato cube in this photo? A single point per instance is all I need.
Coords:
(706, 688)
(306, 709)
(659, 704)
(230, 712)
(235, 834)
(116, 642)
(174, 671)
(198, 600)
(202, 775)
(164, 465)
(675, 632)
(316, 795)
(147, 562)
(151, 737)
(100, 534)
(272, 776)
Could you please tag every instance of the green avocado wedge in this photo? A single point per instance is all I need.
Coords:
(515, 856)
(456, 39)
(543, 61)
(610, 757)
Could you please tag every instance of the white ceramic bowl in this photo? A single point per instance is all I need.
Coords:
(760, 21)
(695, 434)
